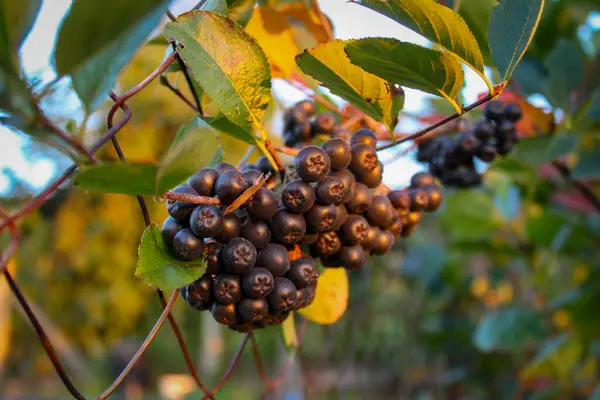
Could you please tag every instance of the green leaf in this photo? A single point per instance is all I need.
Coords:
(288, 330)
(593, 111)
(512, 26)
(161, 270)
(227, 63)
(194, 146)
(508, 329)
(16, 20)
(222, 124)
(481, 218)
(530, 75)
(241, 10)
(476, 14)
(329, 64)
(589, 164)
(539, 150)
(218, 6)
(556, 359)
(565, 66)
(98, 38)
(408, 65)
(117, 177)
(435, 22)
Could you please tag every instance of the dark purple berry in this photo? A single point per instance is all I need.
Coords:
(486, 153)
(435, 195)
(419, 200)
(276, 318)
(352, 258)
(421, 179)
(370, 237)
(252, 310)
(263, 204)
(305, 297)
(302, 130)
(223, 167)
(349, 183)
(298, 196)
(258, 283)
(342, 133)
(354, 229)
(321, 217)
(381, 211)
(330, 190)
(227, 289)
(214, 264)
(361, 201)
(323, 124)
(484, 130)
(252, 176)
(494, 110)
(206, 221)
(373, 178)
(400, 199)
(467, 143)
(231, 228)
(170, 228)
(383, 242)
(224, 313)
(326, 245)
(274, 258)
(264, 165)
(257, 233)
(342, 215)
(339, 153)
(229, 186)
(283, 296)
(312, 164)
(303, 272)
(505, 130)
(364, 159)
(365, 136)
(239, 255)
(306, 106)
(512, 112)
(203, 181)
(187, 246)
(198, 294)
(309, 238)
(178, 209)
(396, 227)
(288, 228)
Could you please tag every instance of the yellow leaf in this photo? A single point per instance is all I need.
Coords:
(290, 337)
(273, 33)
(299, 12)
(479, 286)
(331, 299)
(505, 292)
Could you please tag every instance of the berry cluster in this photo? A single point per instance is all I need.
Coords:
(302, 124)
(452, 159)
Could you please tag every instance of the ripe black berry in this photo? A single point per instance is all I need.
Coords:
(302, 131)
(361, 201)
(264, 165)
(327, 244)
(373, 178)
(486, 152)
(252, 310)
(422, 179)
(258, 283)
(312, 164)
(339, 153)
(419, 200)
(512, 112)
(342, 215)
(303, 272)
(231, 228)
(365, 136)
(364, 159)
(239, 255)
(252, 176)
(381, 211)
(323, 124)
(349, 183)
(309, 238)
(321, 217)
(274, 258)
(505, 130)
(354, 230)
(169, 229)
(223, 167)
(203, 181)
(383, 242)
(214, 264)
(396, 227)
(400, 199)
(306, 296)
(352, 257)
(224, 313)
(187, 246)
(370, 238)
(227, 288)
(306, 106)
(467, 143)
(484, 130)
(198, 294)
(504, 146)
(263, 204)
(435, 195)
(283, 296)
(276, 318)
(230, 185)
(206, 221)
(330, 190)
(257, 233)
(288, 228)
(298, 196)
(494, 110)
(295, 116)
(178, 209)
(342, 133)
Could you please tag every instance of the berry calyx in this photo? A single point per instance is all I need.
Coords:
(298, 196)
(258, 283)
(288, 228)
(227, 289)
(206, 221)
(303, 272)
(239, 256)
(312, 164)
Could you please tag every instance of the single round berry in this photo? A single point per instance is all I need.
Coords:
(249, 167)
(298, 196)
(198, 294)
(494, 110)
(361, 201)
(354, 230)
(381, 211)
(312, 164)
(419, 200)
(214, 264)
(223, 167)
(264, 165)
(258, 283)
(505, 130)
(288, 228)
(365, 136)
(252, 310)
(276, 318)
(349, 183)
(305, 296)
(486, 153)
(504, 146)
(263, 204)
(303, 272)
(187, 246)
(203, 181)
(323, 124)
(169, 229)
(256, 232)
(224, 313)
(352, 258)
(339, 153)
(512, 112)
(435, 195)
(232, 227)
(426, 150)
(373, 178)
(227, 289)
(179, 209)
(252, 176)
(400, 199)
(342, 133)
(239, 255)
(342, 215)
(383, 242)
(364, 159)
(283, 296)
(306, 106)
(327, 244)
(206, 221)
(484, 130)
(274, 258)
(370, 237)
(421, 179)
(330, 190)
(229, 186)
(396, 227)
(321, 217)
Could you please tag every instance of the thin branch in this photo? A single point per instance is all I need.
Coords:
(287, 150)
(46, 122)
(177, 92)
(15, 239)
(565, 172)
(190, 198)
(234, 362)
(248, 193)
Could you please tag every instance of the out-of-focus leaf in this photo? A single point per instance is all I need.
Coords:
(16, 20)
(117, 177)
(159, 269)
(565, 66)
(555, 359)
(476, 14)
(478, 219)
(530, 75)
(240, 10)
(300, 12)
(288, 330)
(508, 330)
(544, 148)
(588, 166)
(331, 299)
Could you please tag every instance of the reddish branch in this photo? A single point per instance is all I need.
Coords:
(190, 198)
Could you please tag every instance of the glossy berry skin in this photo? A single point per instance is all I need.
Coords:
(223, 167)
(339, 153)
(258, 283)
(302, 130)
(206, 221)
(396, 227)
(349, 183)
(252, 176)
(224, 313)
(342, 215)
(494, 110)
(383, 242)
(227, 288)
(354, 230)
(484, 130)
(486, 153)
(419, 200)
(370, 238)
(312, 164)
(321, 217)
(264, 165)
(187, 246)
(214, 264)
(513, 112)
(342, 133)
(309, 238)
(303, 272)
(422, 179)
(178, 209)
(330, 190)
(232, 227)
(364, 159)
(306, 106)
(435, 195)
(252, 310)
(352, 258)
(305, 297)
(244, 327)
(361, 201)
(373, 178)
(381, 211)
(283, 296)
(229, 186)
(274, 258)
(239, 255)
(505, 130)
(198, 294)
(263, 204)
(257, 232)
(288, 228)
(365, 136)
(298, 196)
(326, 245)
(400, 199)
(169, 229)
(203, 181)
(323, 124)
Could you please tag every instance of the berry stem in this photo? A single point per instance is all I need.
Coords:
(189, 198)
(287, 150)
(164, 80)
(244, 197)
